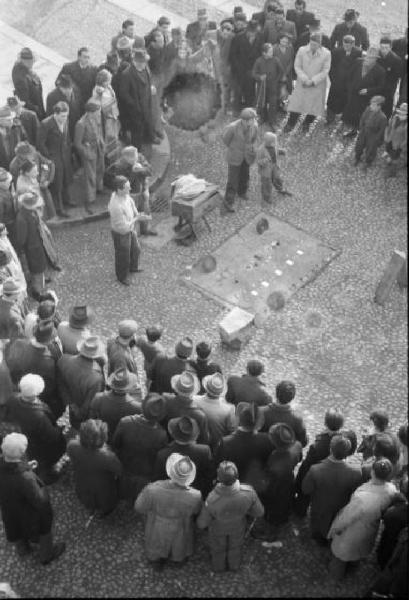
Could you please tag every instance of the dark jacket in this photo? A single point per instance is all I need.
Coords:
(246, 388)
(57, 147)
(136, 100)
(330, 485)
(7, 208)
(111, 407)
(84, 80)
(74, 103)
(195, 36)
(359, 32)
(283, 413)
(301, 21)
(30, 122)
(79, 379)
(27, 86)
(393, 66)
(177, 406)
(46, 442)
(394, 520)
(137, 442)
(23, 357)
(96, 475)
(29, 240)
(339, 74)
(24, 502)
(8, 143)
(204, 367)
(137, 177)
(120, 355)
(317, 451)
(162, 370)
(304, 40)
(249, 451)
(272, 33)
(200, 455)
(243, 55)
(373, 81)
(11, 321)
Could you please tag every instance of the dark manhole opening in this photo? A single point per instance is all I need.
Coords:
(194, 99)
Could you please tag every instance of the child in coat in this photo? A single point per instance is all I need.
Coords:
(371, 131)
(269, 171)
(396, 139)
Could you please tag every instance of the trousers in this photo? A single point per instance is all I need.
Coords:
(93, 176)
(60, 191)
(238, 177)
(143, 205)
(366, 142)
(267, 184)
(226, 549)
(127, 252)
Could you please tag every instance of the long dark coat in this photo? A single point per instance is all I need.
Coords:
(111, 407)
(162, 370)
(29, 240)
(96, 474)
(56, 146)
(339, 74)
(243, 55)
(301, 21)
(74, 104)
(31, 124)
(83, 79)
(373, 81)
(28, 87)
(247, 388)
(393, 66)
(359, 32)
(136, 101)
(24, 502)
(46, 442)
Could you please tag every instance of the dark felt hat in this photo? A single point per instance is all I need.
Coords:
(80, 316)
(183, 429)
(281, 435)
(154, 407)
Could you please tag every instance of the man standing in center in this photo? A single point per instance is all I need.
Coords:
(240, 137)
(124, 214)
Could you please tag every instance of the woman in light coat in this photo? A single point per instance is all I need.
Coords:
(312, 65)
(354, 529)
(104, 95)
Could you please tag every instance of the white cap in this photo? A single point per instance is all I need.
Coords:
(31, 385)
(13, 447)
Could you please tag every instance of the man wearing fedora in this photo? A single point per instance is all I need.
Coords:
(81, 377)
(110, 406)
(27, 117)
(225, 513)
(248, 387)
(76, 328)
(11, 133)
(27, 84)
(247, 447)
(185, 387)
(184, 432)
(281, 412)
(33, 356)
(65, 91)
(170, 506)
(11, 314)
(164, 367)
(220, 414)
(90, 145)
(121, 350)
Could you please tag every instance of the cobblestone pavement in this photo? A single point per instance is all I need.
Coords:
(331, 339)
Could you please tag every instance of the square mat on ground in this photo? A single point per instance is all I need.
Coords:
(250, 266)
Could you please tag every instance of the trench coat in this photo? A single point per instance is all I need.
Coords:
(310, 100)
(96, 475)
(56, 146)
(28, 88)
(373, 81)
(354, 529)
(169, 511)
(24, 501)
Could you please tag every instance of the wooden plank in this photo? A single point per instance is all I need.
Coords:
(389, 276)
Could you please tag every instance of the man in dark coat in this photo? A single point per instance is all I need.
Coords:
(270, 8)
(54, 143)
(203, 366)
(196, 32)
(367, 79)
(400, 48)
(342, 62)
(24, 501)
(28, 118)
(65, 91)
(112, 405)
(185, 431)
(247, 447)
(350, 26)
(314, 27)
(33, 356)
(82, 74)
(277, 26)
(300, 17)
(137, 440)
(46, 443)
(27, 84)
(163, 367)
(281, 412)
(81, 377)
(11, 133)
(135, 95)
(245, 48)
(393, 66)
(248, 387)
(330, 484)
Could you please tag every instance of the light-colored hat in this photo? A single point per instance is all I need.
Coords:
(14, 446)
(128, 150)
(31, 385)
(180, 469)
(214, 384)
(185, 384)
(119, 381)
(92, 347)
(127, 328)
(31, 200)
(124, 43)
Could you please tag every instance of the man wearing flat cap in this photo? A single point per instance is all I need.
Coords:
(240, 137)
(27, 84)
(65, 91)
(350, 26)
(90, 145)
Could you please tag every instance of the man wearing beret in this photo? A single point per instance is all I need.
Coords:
(240, 137)
(90, 145)
(27, 83)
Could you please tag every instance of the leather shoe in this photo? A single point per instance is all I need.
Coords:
(136, 271)
(62, 214)
(150, 232)
(156, 141)
(58, 549)
(229, 207)
(124, 282)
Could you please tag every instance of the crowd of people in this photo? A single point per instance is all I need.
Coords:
(191, 447)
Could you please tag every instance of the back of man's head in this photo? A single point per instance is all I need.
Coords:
(340, 447)
(285, 392)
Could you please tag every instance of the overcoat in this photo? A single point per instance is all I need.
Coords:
(169, 511)
(162, 370)
(28, 88)
(310, 100)
(373, 81)
(74, 104)
(243, 54)
(136, 100)
(247, 388)
(301, 21)
(111, 407)
(56, 145)
(359, 32)
(84, 80)
(29, 240)
(11, 321)
(340, 71)
(96, 475)
(30, 122)
(24, 501)
(283, 413)
(120, 355)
